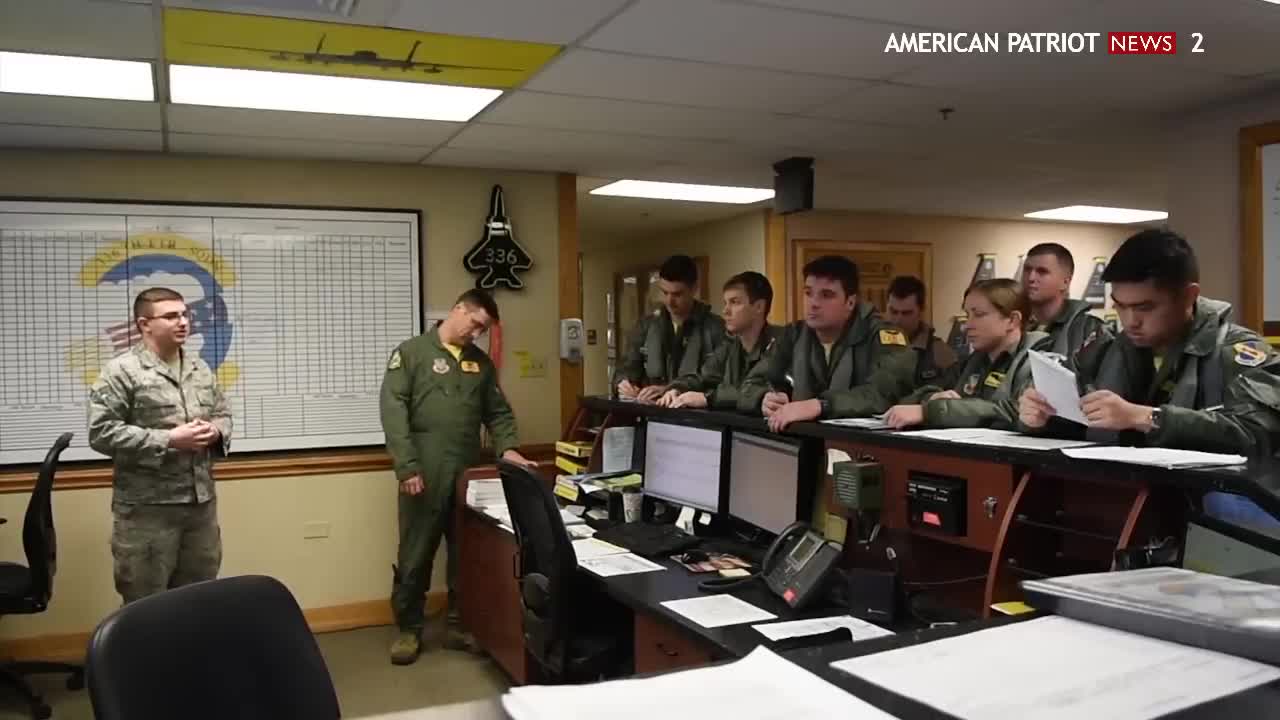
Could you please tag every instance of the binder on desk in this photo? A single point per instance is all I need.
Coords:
(1232, 616)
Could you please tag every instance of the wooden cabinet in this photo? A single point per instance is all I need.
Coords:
(661, 646)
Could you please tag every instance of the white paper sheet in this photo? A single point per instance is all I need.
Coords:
(591, 548)
(1058, 385)
(1074, 670)
(761, 686)
(861, 629)
(713, 611)
(580, 531)
(624, 564)
(867, 423)
(618, 444)
(996, 438)
(1158, 457)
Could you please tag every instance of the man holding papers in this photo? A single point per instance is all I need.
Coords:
(981, 393)
(1181, 375)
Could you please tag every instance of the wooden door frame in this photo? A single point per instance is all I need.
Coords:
(796, 283)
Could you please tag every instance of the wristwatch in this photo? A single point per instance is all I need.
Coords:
(1156, 415)
(824, 408)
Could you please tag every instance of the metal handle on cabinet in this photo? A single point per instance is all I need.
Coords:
(989, 505)
(665, 651)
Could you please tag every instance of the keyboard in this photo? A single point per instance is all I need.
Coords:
(649, 540)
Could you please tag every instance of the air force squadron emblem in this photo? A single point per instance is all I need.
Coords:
(497, 257)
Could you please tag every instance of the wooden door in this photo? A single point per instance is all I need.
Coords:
(878, 263)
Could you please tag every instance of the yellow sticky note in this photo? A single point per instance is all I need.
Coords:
(1012, 607)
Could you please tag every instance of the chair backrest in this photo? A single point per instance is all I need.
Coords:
(39, 540)
(547, 564)
(237, 647)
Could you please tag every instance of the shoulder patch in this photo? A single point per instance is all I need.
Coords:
(1250, 354)
(893, 337)
(395, 362)
(994, 379)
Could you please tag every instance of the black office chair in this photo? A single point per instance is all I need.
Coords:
(569, 637)
(26, 589)
(238, 647)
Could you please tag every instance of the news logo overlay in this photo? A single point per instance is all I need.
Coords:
(1075, 43)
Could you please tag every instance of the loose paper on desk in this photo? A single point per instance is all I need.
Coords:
(865, 423)
(861, 629)
(713, 611)
(591, 548)
(1058, 385)
(1159, 457)
(624, 564)
(761, 686)
(996, 438)
(1055, 668)
(618, 444)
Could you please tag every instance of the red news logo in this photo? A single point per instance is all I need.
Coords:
(1142, 43)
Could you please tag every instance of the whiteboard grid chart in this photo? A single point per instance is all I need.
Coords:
(296, 311)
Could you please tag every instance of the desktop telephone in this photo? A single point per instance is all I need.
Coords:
(794, 568)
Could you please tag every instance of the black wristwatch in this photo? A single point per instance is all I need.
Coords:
(1157, 414)
(824, 408)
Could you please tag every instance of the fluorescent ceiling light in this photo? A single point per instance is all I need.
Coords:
(262, 90)
(684, 191)
(75, 76)
(1094, 213)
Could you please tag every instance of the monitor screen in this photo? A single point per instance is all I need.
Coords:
(682, 464)
(764, 481)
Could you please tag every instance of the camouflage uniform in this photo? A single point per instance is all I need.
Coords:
(658, 355)
(432, 407)
(723, 374)
(165, 531)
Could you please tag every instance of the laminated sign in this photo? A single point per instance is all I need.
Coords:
(497, 257)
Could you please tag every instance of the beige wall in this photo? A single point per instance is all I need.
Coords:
(956, 243)
(732, 246)
(1204, 188)
(262, 518)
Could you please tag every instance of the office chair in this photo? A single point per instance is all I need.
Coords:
(569, 638)
(26, 589)
(236, 647)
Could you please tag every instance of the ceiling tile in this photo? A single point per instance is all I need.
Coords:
(548, 141)
(549, 21)
(308, 126)
(749, 35)
(281, 147)
(47, 136)
(582, 162)
(973, 15)
(79, 112)
(79, 27)
(628, 77)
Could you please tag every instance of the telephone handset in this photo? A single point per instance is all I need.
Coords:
(794, 567)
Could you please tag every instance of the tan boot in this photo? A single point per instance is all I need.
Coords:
(406, 648)
(455, 638)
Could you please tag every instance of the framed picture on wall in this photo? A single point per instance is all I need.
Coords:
(1260, 225)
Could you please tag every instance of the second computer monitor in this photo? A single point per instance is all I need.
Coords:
(764, 482)
(682, 464)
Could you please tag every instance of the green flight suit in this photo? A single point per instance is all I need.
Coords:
(432, 407)
(1218, 390)
(863, 376)
(1073, 327)
(725, 371)
(933, 357)
(657, 355)
(986, 389)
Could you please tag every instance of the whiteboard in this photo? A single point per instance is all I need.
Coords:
(296, 310)
(1271, 231)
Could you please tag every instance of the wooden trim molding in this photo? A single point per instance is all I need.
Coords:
(570, 277)
(1252, 265)
(81, 476)
(775, 265)
(70, 647)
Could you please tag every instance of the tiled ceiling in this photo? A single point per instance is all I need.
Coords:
(717, 90)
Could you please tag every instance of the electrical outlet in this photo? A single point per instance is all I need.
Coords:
(315, 529)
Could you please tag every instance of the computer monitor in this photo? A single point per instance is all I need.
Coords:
(682, 464)
(765, 481)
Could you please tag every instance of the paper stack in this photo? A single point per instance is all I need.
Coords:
(483, 493)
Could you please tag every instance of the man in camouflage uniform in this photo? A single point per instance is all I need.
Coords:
(1181, 375)
(438, 389)
(905, 309)
(158, 413)
(747, 299)
(672, 343)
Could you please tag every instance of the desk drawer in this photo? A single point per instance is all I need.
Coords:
(661, 646)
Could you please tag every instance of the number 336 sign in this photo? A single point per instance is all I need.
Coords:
(497, 257)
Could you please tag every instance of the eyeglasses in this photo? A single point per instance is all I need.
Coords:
(172, 316)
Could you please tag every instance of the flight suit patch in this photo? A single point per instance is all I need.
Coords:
(470, 366)
(440, 366)
(994, 379)
(971, 385)
(1249, 354)
(893, 337)
(394, 362)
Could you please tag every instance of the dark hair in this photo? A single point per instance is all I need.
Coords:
(679, 268)
(477, 298)
(905, 286)
(142, 303)
(1058, 251)
(1006, 295)
(1162, 256)
(835, 267)
(755, 285)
